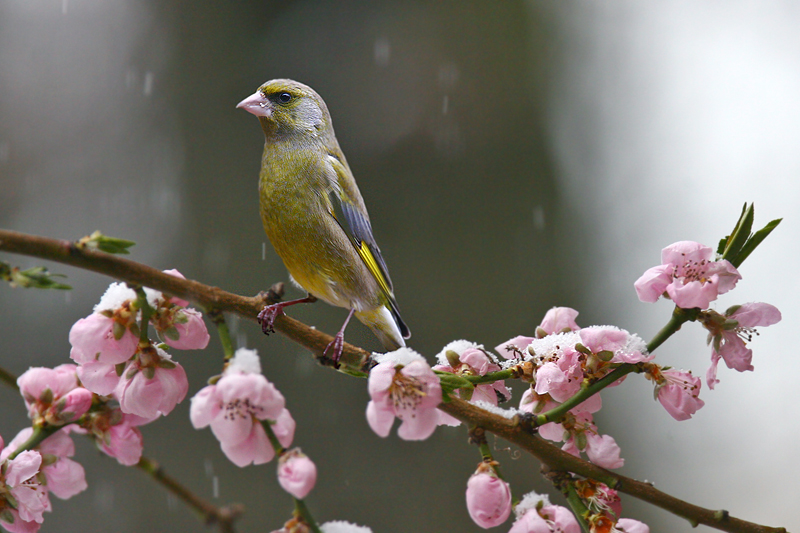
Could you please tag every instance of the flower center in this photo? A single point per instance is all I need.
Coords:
(692, 270)
(241, 408)
(406, 392)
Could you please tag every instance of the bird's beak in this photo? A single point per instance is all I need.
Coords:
(256, 104)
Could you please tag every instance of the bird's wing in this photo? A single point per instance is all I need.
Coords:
(348, 209)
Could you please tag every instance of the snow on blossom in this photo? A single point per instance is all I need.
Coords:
(235, 406)
(535, 514)
(689, 275)
(340, 526)
(409, 391)
(730, 334)
(488, 497)
(466, 358)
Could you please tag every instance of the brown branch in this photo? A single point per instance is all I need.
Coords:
(357, 359)
(212, 298)
(517, 431)
(224, 517)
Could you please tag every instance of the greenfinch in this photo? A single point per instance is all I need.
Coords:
(315, 217)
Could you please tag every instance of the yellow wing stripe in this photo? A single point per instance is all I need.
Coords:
(372, 265)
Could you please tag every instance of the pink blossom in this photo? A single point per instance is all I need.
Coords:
(580, 434)
(94, 338)
(548, 519)
(628, 525)
(409, 392)
(52, 394)
(558, 320)
(603, 339)
(191, 330)
(150, 388)
(17, 524)
(23, 485)
(560, 379)
(122, 441)
(679, 394)
(234, 408)
(514, 348)
(603, 450)
(689, 275)
(297, 474)
(488, 497)
(65, 477)
(599, 498)
(469, 359)
(730, 341)
(531, 522)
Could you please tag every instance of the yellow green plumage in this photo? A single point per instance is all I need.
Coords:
(313, 212)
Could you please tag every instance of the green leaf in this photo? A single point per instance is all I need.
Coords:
(451, 382)
(755, 240)
(741, 232)
(104, 243)
(36, 278)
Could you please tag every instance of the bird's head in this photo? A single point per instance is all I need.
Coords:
(287, 107)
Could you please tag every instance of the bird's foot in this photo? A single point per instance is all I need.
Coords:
(336, 346)
(270, 313)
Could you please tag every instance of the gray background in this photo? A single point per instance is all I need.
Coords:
(514, 156)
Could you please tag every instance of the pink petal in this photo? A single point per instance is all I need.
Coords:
(757, 314)
(558, 319)
(255, 449)
(100, 378)
(652, 284)
(603, 451)
(380, 417)
(488, 500)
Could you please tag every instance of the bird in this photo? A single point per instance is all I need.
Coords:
(315, 217)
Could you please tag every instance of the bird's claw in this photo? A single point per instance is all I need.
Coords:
(337, 344)
(267, 317)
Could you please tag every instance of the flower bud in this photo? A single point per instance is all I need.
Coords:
(297, 474)
(488, 497)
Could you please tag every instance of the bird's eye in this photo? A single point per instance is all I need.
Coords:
(284, 98)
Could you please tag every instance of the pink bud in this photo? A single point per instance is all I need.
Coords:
(297, 474)
(192, 334)
(73, 405)
(488, 497)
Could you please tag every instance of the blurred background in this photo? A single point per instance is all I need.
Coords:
(514, 156)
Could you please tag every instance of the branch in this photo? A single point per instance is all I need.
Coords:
(517, 431)
(356, 360)
(353, 359)
(222, 516)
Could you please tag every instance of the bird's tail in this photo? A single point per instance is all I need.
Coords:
(383, 324)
